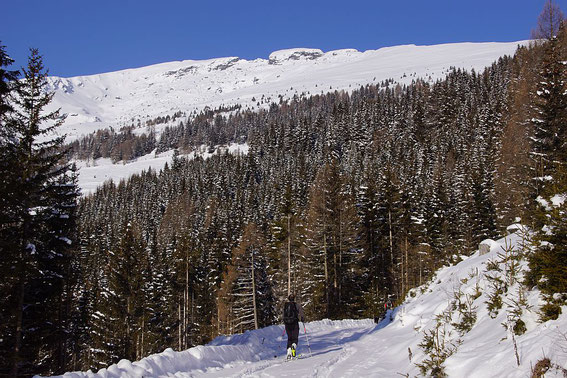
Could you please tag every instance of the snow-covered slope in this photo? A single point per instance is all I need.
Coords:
(122, 98)
(360, 348)
(134, 96)
(93, 174)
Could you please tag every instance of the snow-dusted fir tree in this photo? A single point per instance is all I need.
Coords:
(551, 107)
(37, 229)
(7, 82)
(548, 263)
(125, 301)
(8, 207)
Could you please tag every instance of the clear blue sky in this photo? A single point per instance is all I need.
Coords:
(79, 37)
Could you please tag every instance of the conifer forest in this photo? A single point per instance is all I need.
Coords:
(347, 199)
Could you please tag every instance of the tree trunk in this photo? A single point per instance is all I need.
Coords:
(128, 319)
(407, 265)
(193, 315)
(61, 336)
(254, 295)
(185, 307)
(288, 255)
(326, 273)
(420, 266)
(142, 343)
(391, 238)
(340, 256)
(402, 267)
(179, 326)
(20, 293)
(19, 324)
(391, 246)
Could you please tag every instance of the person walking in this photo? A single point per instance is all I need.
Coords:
(293, 312)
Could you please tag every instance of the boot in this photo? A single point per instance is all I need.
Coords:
(289, 354)
(293, 346)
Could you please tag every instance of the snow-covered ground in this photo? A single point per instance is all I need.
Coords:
(360, 348)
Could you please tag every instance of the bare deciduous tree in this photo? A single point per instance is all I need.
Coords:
(548, 22)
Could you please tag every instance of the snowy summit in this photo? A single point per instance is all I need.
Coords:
(123, 98)
(280, 56)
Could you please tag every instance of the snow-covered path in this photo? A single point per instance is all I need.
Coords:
(331, 344)
(360, 348)
(261, 353)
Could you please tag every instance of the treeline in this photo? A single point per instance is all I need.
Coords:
(206, 128)
(106, 143)
(209, 127)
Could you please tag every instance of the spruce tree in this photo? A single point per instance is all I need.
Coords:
(8, 209)
(331, 243)
(7, 83)
(548, 263)
(33, 237)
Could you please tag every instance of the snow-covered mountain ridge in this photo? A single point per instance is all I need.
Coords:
(454, 314)
(125, 97)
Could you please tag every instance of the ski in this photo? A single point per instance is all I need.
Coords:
(297, 357)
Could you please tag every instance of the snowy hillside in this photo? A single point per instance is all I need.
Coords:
(121, 98)
(453, 308)
(94, 174)
(135, 96)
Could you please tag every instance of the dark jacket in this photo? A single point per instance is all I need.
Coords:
(300, 313)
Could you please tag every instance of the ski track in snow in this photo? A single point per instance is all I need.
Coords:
(328, 348)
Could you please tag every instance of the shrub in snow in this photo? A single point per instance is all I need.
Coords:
(463, 303)
(497, 289)
(545, 365)
(519, 327)
(550, 311)
(541, 368)
(516, 307)
(493, 265)
(438, 345)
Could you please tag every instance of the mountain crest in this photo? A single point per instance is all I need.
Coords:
(280, 56)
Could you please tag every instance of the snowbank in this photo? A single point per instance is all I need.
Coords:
(487, 245)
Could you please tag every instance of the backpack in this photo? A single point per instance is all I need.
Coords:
(290, 313)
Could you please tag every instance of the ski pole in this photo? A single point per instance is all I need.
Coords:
(307, 337)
